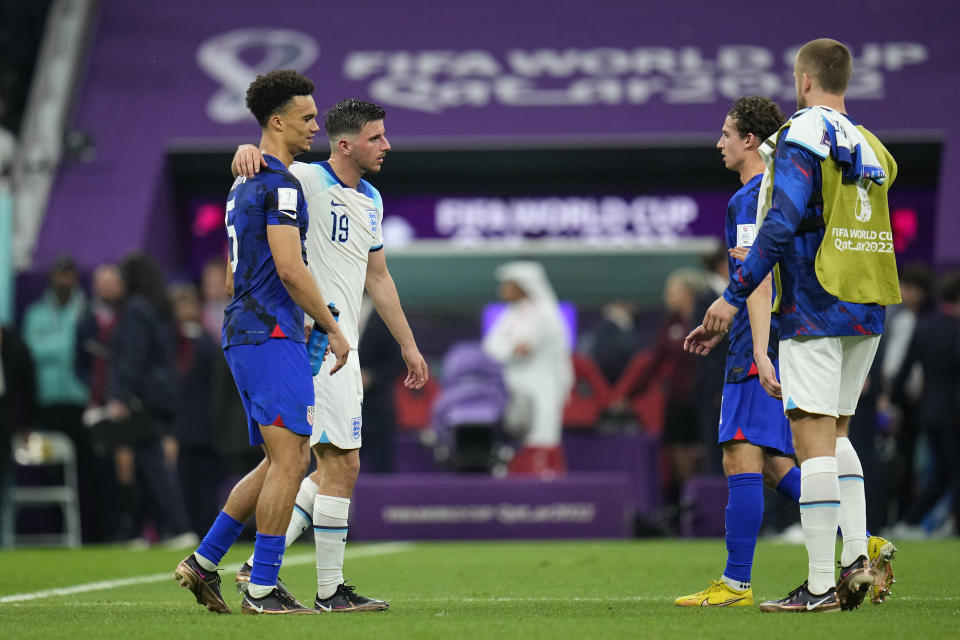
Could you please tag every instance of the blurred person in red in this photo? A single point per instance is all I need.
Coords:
(676, 371)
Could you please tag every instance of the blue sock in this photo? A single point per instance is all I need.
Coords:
(743, 518)
(267, 557)
(789, 485)
(222, 534)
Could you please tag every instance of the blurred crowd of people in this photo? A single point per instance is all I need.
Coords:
(133, 374)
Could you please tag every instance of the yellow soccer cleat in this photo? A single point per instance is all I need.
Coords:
(718, 594)
(880, 552)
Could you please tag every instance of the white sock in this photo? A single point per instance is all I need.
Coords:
(330, 535)
(300, 519)
(819, 517)
(203, 562)
(736, 585)
(260, 590)
(853, 503)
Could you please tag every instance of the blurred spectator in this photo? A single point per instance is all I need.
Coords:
(917, 291)
(213, 285)
(50, 331)
(710, 368)
(530, 340)
(380, 365)
(677, 372)
(199, 461)
(8, 151)
(143, 401)
(17, 399)
(94, 333)
(614, 339)
(936, 347)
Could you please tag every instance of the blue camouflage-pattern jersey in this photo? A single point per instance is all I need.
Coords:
(791, 234)
(261, 308)
(741, 227)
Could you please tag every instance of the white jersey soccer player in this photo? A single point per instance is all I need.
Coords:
(346, 227)
(344, 252)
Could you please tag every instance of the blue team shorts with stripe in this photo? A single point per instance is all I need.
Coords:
(748, 414)
(275, 384)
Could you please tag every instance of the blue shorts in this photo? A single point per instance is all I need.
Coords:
(275, 384)
(748, 414)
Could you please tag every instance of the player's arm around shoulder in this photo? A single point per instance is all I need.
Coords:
(247, 161)
(383, 292)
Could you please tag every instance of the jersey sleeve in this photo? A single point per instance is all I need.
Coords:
(282, 202)
(378, 226)
(792, 188)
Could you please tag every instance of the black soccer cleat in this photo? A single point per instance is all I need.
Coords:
(205, 585)
(242, 580)
(276, 602)
(800, 600)
(855, 581)
(346, 598)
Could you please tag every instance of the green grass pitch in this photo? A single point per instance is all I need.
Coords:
(550, 590)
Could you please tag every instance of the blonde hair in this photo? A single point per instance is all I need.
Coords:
(828, 62)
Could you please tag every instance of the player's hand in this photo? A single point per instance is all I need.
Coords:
(340, 348)
(740, 253)
(768, 376)
(416, 368)
(719, 316)
(700, 341)
(247, 161)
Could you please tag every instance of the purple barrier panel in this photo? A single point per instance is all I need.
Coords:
(705, 500)
(445, 506)
(635, 453)
(409, 456)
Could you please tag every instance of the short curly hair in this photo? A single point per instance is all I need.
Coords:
(270, 93)
(757, 115)
(350, 116)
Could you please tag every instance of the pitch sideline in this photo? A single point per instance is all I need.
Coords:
(102, 585)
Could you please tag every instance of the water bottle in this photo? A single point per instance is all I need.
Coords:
(318, 341)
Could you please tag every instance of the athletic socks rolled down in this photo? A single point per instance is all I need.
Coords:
(789, 485)
(222, 534)
(267, 558)
(744, 515)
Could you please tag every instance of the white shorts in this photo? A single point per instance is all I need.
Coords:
(825, 374)
(336, 414)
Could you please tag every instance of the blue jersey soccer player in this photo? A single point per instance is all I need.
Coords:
(825, 220)
(754, 433)
(347, 256)
(263, 342)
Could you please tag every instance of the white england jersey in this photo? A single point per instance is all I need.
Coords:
(345, 226)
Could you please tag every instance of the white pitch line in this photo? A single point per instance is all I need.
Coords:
(102, 585)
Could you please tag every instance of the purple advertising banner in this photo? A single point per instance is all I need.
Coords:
(165, 75)
(435, 506)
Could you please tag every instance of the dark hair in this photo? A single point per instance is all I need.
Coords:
(920, 276)
(350, 116)
(828, 62)
(142, 276)
(272, 92)
(757, 115)
(950, 287)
